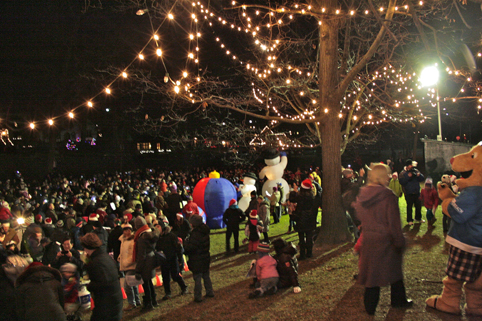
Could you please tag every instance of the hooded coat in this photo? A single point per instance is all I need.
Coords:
(287, 266)
(145, 258)
(197, 247)
(39, 295)
(382, 244)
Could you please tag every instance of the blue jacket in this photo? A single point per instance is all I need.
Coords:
(411, 185)
(466, 228)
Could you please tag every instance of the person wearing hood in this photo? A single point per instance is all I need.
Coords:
(9, 272)
(382, 242)
(39, 294)
(145, 241)
(197, 247)
(287, 265)
(232, 217)
(104, 280)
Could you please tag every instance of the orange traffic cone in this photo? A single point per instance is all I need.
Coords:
(141, 289)
(92, 304)
(158, 281)
(124, 295)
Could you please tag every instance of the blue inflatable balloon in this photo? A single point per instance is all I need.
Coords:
(213, 196)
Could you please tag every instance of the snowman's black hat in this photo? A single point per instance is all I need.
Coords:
(250, 175)
(270, 153)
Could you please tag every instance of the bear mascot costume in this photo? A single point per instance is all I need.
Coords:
(464, 265)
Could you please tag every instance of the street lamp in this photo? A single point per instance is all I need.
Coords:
(428, 78)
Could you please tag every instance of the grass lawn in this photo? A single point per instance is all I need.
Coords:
(329, 291)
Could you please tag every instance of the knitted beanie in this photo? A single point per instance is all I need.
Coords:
(263, 247)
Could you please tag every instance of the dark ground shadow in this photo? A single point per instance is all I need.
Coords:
(350, 304)
(428, 240)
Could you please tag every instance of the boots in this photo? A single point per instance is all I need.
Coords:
(398, 296)
(309, 252)
(473, 297)
(147, 303)
(370, 299)
(449, 300)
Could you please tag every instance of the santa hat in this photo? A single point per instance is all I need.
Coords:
(179, 215)
(306, 184)
(232, 202)
(48, 220)
(395, 174)
(128, 216)
(38, 218)
(253, 214)
(263, 247)
(428, 181)
(93, 217)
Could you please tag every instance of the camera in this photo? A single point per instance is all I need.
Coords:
(64, 252)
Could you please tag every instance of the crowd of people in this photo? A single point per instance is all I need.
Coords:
(75, 230)
(60, 231)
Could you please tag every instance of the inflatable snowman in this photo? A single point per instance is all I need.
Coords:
(276, 164)
(249, 179)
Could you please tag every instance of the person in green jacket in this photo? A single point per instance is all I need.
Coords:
(395, 185)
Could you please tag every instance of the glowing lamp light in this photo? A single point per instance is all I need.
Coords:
(51, 122)
(159, 52)
(141, 56)
(170, 16)
(124, 74)
(156, 37)
(176, 89)
(32, 125)
(108, 91)
(71, 115)
(166, 78)
(90, 104)
(20, 220)
(184, 74)
(429, 76)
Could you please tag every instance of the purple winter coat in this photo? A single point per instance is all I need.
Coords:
(382, 240)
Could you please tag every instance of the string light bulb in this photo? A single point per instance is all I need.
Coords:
(32, 125)
(51, 122)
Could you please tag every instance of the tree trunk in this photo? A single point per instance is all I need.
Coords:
(334, 227)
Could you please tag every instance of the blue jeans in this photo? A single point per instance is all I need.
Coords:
(132, 293)
(198, 287)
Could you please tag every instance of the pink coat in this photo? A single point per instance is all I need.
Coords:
(382, 244)
(266, 268)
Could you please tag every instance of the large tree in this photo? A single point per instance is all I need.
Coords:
(338, 68)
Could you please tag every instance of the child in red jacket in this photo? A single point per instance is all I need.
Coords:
(430, 199)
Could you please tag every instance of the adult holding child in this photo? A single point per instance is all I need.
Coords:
(382, 241)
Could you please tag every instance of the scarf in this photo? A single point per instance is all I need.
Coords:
(143, 229)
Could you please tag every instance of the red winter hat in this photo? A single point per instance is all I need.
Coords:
(5, 215)
(231, 202)
(253, 214)
(129, 217)
(48, 220)
(306, 184)
(38, 218)
(93, 217)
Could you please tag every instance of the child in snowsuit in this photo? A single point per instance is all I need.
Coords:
(429, 197)
(70, 283)
(253, 230)
(266, 273)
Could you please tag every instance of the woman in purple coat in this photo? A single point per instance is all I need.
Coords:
(382, 241)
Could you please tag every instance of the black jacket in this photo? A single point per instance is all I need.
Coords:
(39, 295)
(287, 267)
(113, 242)
(104, 286)
(233, 216)
(197, 247)
(306, 211)
(145, 258)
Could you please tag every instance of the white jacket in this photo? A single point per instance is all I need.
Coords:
(125, 256)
